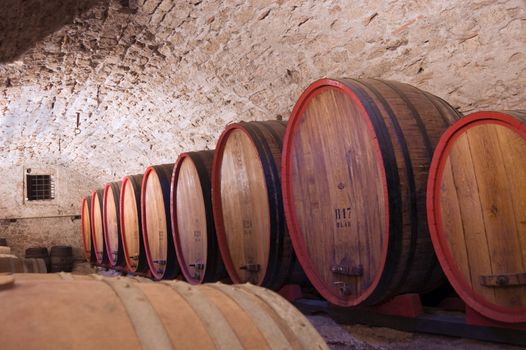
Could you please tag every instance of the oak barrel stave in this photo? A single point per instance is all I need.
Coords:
(131, 224)
(155, 212)
(277, 266)
(199, 164)
(363, 179)
(476, 205)
(112, 226)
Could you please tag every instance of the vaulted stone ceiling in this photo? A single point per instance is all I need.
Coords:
(150, 79)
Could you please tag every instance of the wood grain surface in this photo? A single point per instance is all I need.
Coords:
(97, 227)
(131, 224)
(156, 224)
(192, 218)
(479, 189)
(112, 224)
(356, 159)
(248, 207)
(245, 206)
(85, 219)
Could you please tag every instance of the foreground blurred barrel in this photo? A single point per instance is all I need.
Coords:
(126, 314)
(112, 235)
(156, 223)
(355, 164)
(192, 218)
(97, 226)
(131, 224)
(477, 212)
(248, 209)
(85, 227)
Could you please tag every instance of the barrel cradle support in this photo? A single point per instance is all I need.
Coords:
(291, 292)
(468, 325)
(475, 318)
(406, 305)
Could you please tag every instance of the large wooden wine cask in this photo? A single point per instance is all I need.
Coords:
(156, 224)
(355, 165)
(85, 228)
(248, 206)
(477, 212)
(126, 314)
(131, 224)
(97, 226)
(192, 218)
(111, 221)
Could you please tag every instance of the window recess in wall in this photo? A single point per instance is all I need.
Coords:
(40, 187)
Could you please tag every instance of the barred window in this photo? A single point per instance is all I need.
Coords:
(40, 187)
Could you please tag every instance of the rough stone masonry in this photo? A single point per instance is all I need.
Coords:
(149, 79)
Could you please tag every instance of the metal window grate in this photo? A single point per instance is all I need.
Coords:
(40, 187)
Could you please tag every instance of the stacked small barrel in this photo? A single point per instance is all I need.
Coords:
(357, 194)
(36, 259)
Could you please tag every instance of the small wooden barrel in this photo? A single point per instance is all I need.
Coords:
(61, 258)
(39, 253)
(355, 164)
(35, 265)
(131, 224)
(156, 225)
(192, 219)
(12, 264)
(247, 204)
(97, 226)
(111, 221)
(85, 227)
(124, 313)
(476, 203)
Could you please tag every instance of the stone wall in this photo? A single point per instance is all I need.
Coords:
(148, 79)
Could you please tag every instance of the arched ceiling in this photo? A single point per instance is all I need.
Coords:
(150, 79)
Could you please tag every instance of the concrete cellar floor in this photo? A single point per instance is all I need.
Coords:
(362, 337)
